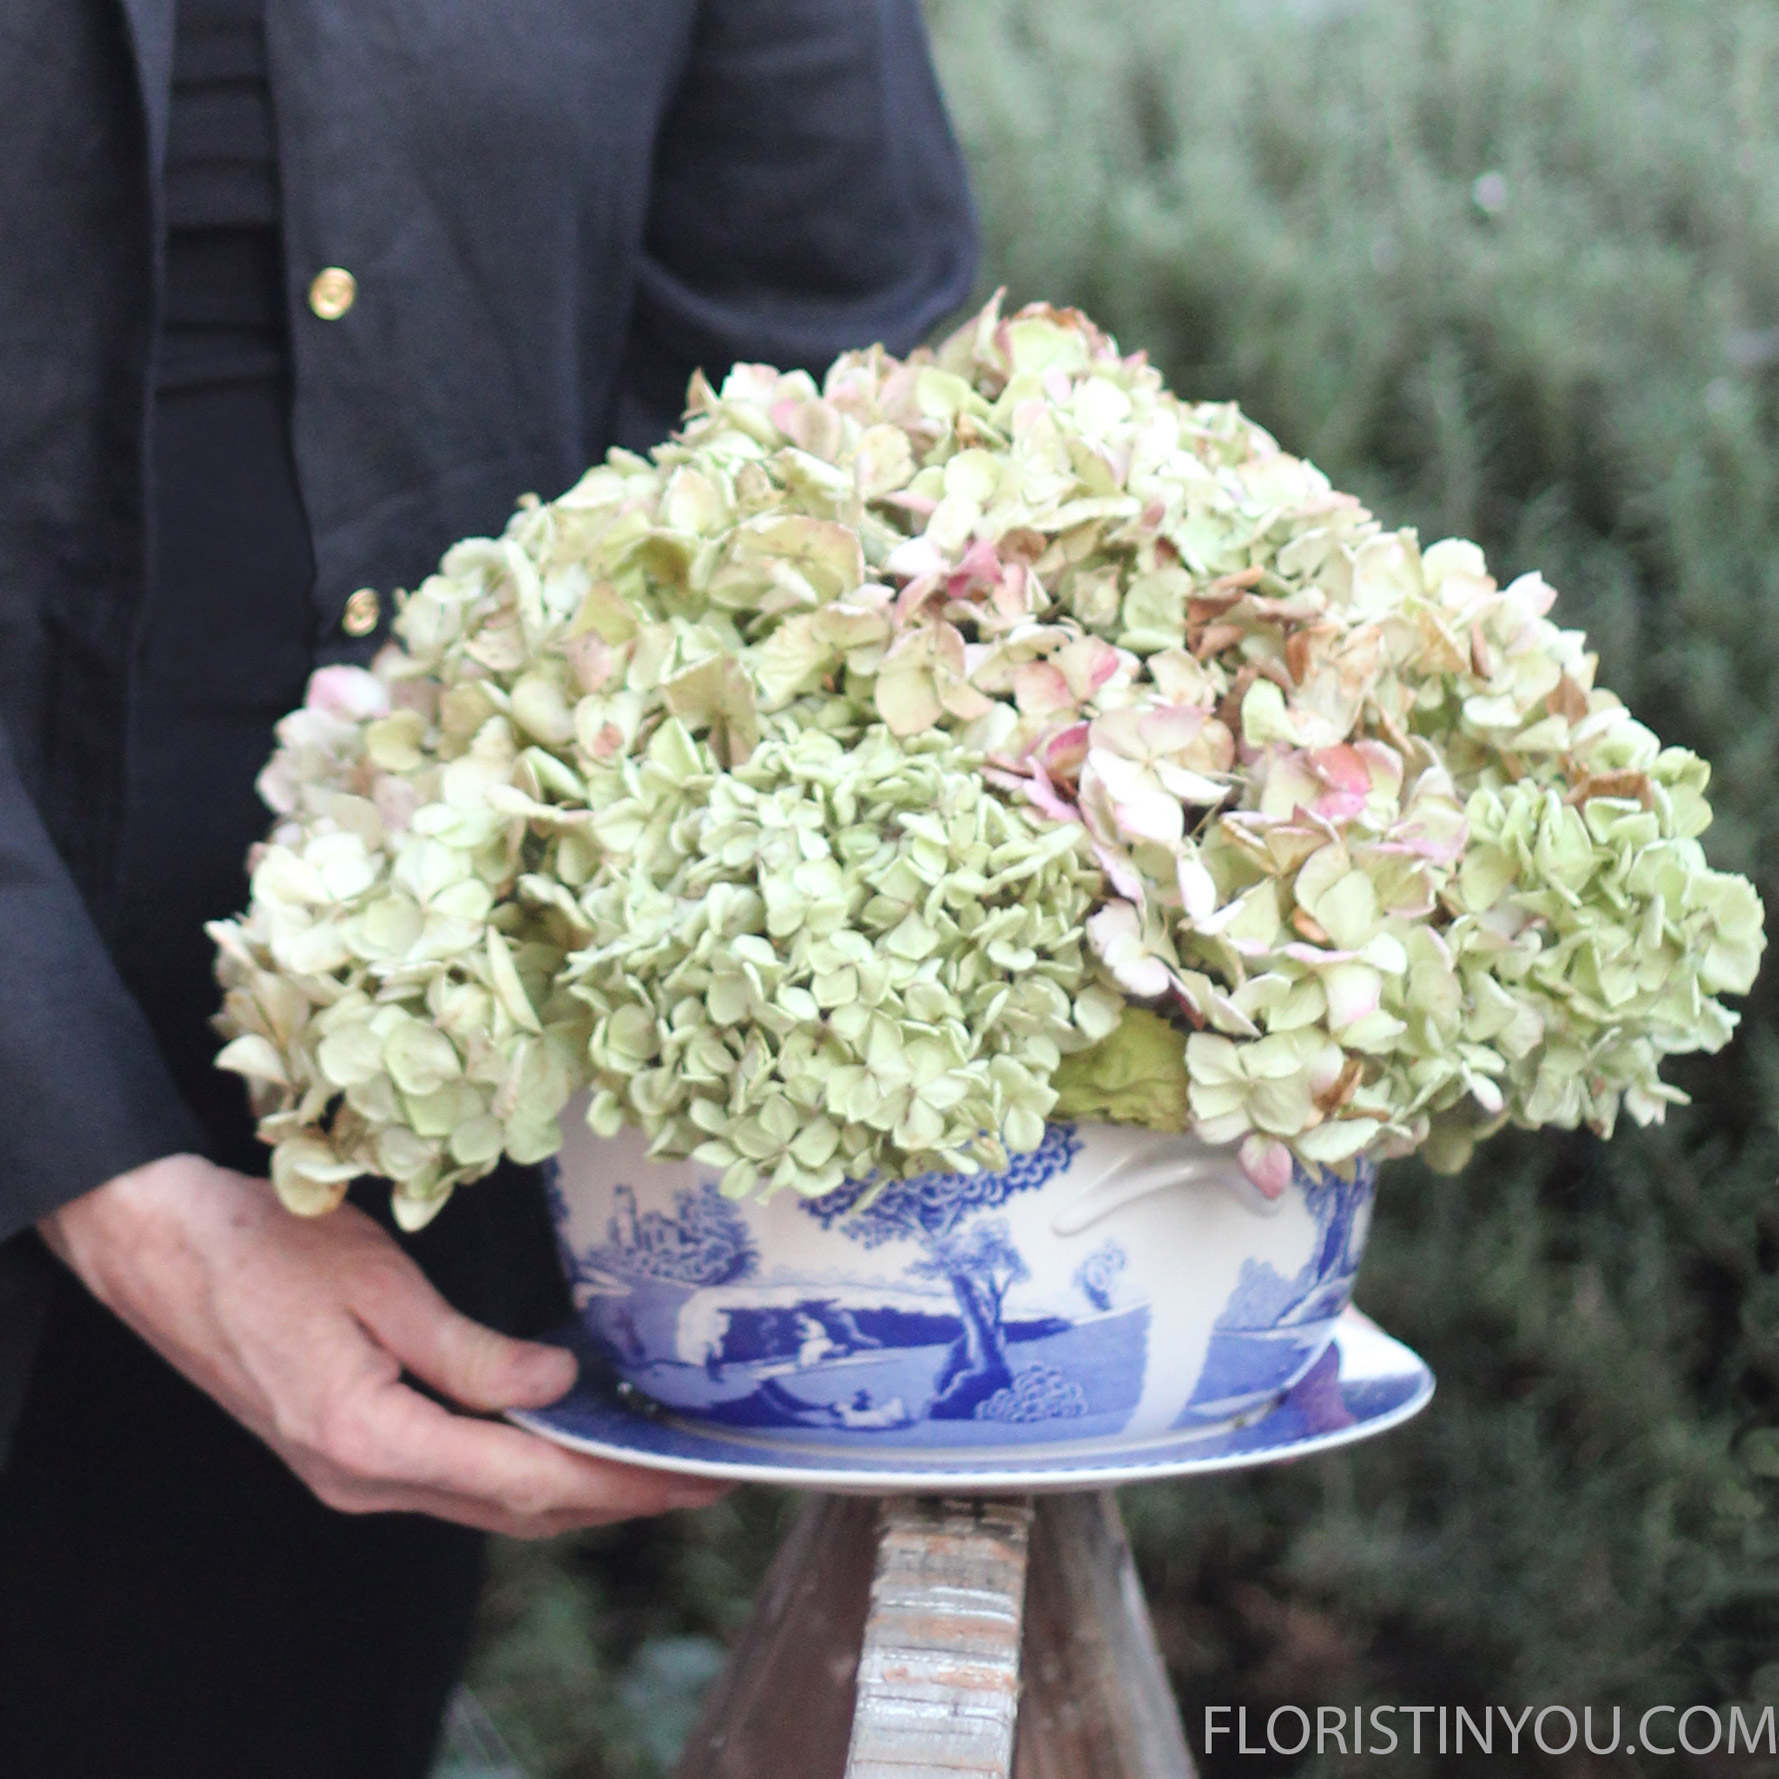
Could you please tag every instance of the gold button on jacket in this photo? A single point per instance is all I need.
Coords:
(333, 291)
(362, 611)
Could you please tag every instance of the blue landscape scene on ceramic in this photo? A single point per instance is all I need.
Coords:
(1326, 1407)
(938, 1345)
(1272, 1327)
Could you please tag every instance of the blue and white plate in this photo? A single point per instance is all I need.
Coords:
(1365, 1383)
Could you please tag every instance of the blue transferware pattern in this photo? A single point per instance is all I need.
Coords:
(1272, 1327)
(1363, 1384)
(957, 1312)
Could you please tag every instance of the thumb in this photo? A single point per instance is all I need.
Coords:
(468, 1362)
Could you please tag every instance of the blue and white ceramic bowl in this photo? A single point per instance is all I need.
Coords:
(1117, 1285)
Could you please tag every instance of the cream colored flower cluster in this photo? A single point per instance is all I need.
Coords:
(811, 789)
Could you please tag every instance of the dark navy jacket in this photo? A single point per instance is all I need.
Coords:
(555, 210)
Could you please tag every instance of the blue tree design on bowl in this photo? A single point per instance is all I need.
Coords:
(971, 1253)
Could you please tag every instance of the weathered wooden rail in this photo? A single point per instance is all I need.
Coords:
(929, 1638)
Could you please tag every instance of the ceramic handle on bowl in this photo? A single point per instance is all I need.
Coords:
(1155, 1162)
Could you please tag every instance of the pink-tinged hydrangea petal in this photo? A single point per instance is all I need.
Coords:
(1316, 957)
(1182, 679)
(1015, 595)
(1120, 873)
(1041, 689)
(921, 505)
(591, 660)
(1044, 795)
(963, 701)
(348, 692)
(1485, 1092)
(395, 800)
(917, 557)
(1096, 809)
(755, 384)
(1169, 729)
(1338, 806)
(1532, 591)
(1065, 752)
(1267, 1163)
(1384, 765)
(1353, 991)
(1215, 749)
(1141, 808)
(1198, 888)
(1344, 771)
(1033, 783)
(1286, 783)
(1189, 787)
(1116, 934)
(916, 594)
(979, 565)
(1327, 1064)
(812, 426)
(1119, 732)
(1087, 664)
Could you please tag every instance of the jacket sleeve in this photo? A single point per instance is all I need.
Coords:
(808, 198)
(84, 1091)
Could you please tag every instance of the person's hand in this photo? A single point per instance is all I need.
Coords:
(301, 1328)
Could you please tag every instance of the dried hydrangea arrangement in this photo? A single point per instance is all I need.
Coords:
(888, 765)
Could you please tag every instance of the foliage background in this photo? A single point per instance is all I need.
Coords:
(1509, 270)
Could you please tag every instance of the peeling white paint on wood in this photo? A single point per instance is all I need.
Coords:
(938, 1680)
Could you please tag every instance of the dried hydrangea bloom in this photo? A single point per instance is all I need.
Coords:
(811, 789)
(833, 959)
